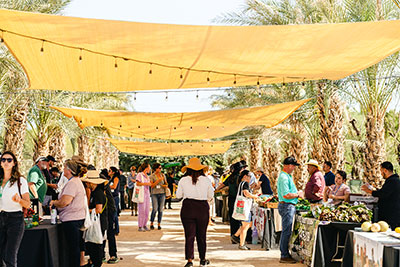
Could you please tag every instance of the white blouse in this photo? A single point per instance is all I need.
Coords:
(202, 190)
(6, 202)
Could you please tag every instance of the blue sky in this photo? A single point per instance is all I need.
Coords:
(196, 12)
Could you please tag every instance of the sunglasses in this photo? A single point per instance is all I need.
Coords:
(9, 160)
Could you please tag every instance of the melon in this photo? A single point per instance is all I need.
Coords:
(375, 227)
(384, 226)
(366, 226)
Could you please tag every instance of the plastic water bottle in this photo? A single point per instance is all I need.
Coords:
(53, 214)
(254, 236)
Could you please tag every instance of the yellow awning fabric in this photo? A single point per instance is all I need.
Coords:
(172, 149)
(183, 126)
(78, 54)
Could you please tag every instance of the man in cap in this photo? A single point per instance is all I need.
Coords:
(288, 197)
(315, 186)
(36, 180)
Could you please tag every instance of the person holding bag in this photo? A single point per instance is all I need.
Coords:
(195, 189)
(97, 203)
(14, 196)
(158, 187)
(142, 179)
(244, 213)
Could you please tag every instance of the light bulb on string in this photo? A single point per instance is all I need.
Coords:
(208, 78)
(166, 96)
(134, 97)
(1, 37)
(234, 79)
(258, 83)
(151, 70)
(42, 48)
(80, 56)
(181, 75)
(115, 63)
(197, 95)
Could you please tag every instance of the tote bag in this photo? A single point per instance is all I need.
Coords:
(88, 222)
(242, 207)
(138, 194)
(93, 233)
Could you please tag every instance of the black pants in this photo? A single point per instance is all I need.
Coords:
(235, 224)
(194, 216)
(73, 236)
(95, 252)
(112, 244)
(122, 198)
(11, 232)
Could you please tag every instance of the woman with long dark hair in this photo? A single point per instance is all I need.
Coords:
(158, 186)
(142, 179)
(232, 182)
(14, 196)
(195, 189)
(114, 186)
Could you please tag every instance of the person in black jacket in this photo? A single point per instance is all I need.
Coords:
(389, 196)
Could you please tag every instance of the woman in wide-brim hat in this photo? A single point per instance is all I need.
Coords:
(98, 201)
(195, 189)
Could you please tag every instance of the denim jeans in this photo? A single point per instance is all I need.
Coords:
(11, 232)
(157, 203)
(287, 212)
(116, 219)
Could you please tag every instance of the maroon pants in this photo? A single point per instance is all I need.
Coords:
(195, 216)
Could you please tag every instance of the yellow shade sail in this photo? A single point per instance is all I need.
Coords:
(79, 54)
(185, 125)
(172, 149)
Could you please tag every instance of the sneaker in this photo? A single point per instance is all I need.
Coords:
(113, 260)
(159, 227)
(287, 260)
(146, 229)
(151, 227)
(235, 239)
(244, 247)
(141, 229)
(104, 260)
(204, 263)
(189, 264)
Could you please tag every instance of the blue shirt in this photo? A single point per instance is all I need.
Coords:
(130, 183)
(285, 186)
(329, 178)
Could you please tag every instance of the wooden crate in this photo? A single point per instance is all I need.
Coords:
(272, 205)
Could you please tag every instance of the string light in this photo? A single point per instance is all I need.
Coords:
(115, 62)
(42, 48)
(181, 75)
(166, 96)
(234, 79)
(80, 56)
(197, 95)
(151, 70)
(2, 38)
(134, 97)
(208, 78)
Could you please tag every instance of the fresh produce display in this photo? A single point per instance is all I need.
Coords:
(262, 201)
(303, 205)
(342, 213)
(381, 226)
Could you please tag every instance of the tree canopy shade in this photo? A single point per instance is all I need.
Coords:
(79, 54)
(172, 149)
(184, 125)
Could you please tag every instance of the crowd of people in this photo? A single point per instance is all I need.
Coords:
(80, 189)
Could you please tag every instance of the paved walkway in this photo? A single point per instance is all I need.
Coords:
(166, 247)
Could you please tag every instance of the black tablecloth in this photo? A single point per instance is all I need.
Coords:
(326, 243)
(43, 246)
(391, 254)
(271, 237)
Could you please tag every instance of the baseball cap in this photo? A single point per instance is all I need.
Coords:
(290, 161)
(41, 158)
(51, 158)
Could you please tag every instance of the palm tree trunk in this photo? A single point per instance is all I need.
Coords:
(272, 165)
(57, 147)
(331, 124)
(83, 147)
(254, 153)
(41, 146)
(298, 149)
(15, 128)
(374, 147)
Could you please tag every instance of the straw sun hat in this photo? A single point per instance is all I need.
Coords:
(194, 164)
(313, 162)
(93, 177)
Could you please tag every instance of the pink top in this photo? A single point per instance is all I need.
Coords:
(75, 210)
(339, 191)
(143, 178)
(315, 185)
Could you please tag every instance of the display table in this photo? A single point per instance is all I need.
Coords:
(376, 248)
(43, 246)
(268, 224)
